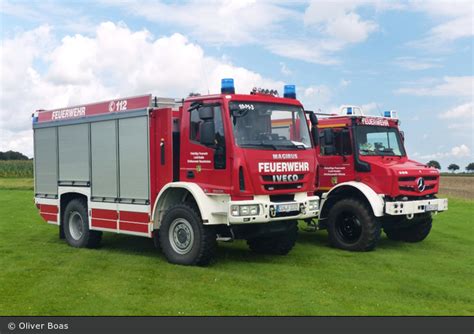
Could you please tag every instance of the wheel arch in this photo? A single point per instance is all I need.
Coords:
(179, 192)
(352, 190)
(64, 200)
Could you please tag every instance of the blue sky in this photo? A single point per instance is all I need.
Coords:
(412, 56)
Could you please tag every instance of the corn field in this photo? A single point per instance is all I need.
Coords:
(16, 168)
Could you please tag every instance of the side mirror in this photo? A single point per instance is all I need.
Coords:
(312, 118)
(206, 113)
(208, 133)
(315, 135)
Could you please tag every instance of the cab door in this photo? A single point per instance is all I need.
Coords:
(205, 161)
(335, 158)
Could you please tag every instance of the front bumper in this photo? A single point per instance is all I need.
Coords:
(267, 210)
(413, 207)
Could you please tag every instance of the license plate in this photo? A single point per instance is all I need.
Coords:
(431, 207)
(287, 207)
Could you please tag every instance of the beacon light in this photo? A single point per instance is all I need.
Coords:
(289, 91)
(227, 86)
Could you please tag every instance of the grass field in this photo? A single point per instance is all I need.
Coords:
(41, 275)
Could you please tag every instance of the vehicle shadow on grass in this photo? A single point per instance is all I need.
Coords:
(138, 246)
(319, 239)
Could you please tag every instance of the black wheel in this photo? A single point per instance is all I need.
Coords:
(278, 244)
(393, 233)
(76, 226)
(184, 239)
(156, 239)
(414, 230)
(352, 226)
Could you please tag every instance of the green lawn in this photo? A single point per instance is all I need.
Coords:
(16, 183)
(41, 275)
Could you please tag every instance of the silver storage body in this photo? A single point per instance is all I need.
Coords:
(74, 153)
(109, 154)
(133, 158)
(104, 160)
(46, 161)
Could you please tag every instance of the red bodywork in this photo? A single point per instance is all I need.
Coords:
(173, 156)
(392, 176)
(226, 181)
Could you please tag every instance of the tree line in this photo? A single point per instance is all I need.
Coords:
(13, 155)
(452, 167)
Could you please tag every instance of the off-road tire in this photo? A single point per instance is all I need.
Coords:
(414, 231)
(76, 210)
(156, 239)
(278, 244)
(393, 233)
(366, 231)
(203, 246)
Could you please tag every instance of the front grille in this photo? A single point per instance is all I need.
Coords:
(282, 198)
(408, 183)
(414, 188)
(413, 178)
(285, 186)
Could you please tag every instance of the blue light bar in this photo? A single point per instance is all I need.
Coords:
(34, 117)
(227, 86)
(387, 113)
(289, 91)
(349, 110)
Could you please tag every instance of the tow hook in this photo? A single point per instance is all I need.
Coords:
(311, 225)
(272, 211)
(410, 216)
(302, 208)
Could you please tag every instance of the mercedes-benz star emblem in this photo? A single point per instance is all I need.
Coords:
(420, 183)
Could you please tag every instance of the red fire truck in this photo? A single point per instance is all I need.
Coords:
(185, 173)
(367, 182)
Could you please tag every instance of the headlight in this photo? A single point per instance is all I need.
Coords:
(313, 205)
(245, 210)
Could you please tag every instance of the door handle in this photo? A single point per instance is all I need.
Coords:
(190, 174)
(162, 151)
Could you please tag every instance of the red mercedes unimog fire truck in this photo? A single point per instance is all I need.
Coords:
(186, 173)
(367, 182)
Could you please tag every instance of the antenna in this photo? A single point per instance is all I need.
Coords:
(204, 73)
(378, 109)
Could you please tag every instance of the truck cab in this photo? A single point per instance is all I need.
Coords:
(247, 177)
(368, 183)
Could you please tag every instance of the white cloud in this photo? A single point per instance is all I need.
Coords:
(460, 151)
(231, 22)
(315, 97)
(465, 110)
(264, 23)
(310, 50)
(416, 64)
(284, 69)
(115, 61)
(371, 108)
(448, 86)
(344, 82)
(339, 20)
(455, 22)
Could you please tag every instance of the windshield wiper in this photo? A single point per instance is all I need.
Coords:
(259, 145)
(297, 146)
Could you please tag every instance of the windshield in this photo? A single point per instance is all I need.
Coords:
(379, 140)
(269, 125)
